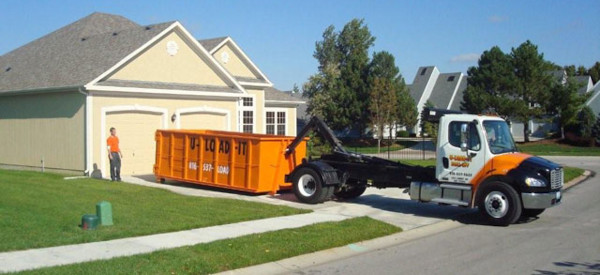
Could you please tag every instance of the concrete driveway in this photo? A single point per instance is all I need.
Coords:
(390, 205)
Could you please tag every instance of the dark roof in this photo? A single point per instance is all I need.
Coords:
(166, 85)
(594, 101)
(75, 54)
(444, 88)
(272, 94)
(421, 79)
(585, 80)
(211, 43)
(458, 98)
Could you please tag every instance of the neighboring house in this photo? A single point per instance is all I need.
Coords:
(594, 100)
(444, 90)
(302, 116)
(60, 94)
(541, 127)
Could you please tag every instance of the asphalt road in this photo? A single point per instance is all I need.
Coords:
(564, 240)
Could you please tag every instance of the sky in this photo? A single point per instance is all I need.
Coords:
(279, 36)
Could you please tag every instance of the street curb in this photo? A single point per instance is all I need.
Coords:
(576, 181)
(296, 263)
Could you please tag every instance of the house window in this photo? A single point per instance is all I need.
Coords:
(276, 123)
(247, 102)
(246, 115)
(423, 71)
(248, 122)
(451, 78)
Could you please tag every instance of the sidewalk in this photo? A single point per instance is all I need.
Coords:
(78, 253)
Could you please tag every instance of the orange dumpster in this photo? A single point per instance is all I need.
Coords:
(252, 163)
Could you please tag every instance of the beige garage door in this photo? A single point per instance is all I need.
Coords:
(136, 132)
(207, 121)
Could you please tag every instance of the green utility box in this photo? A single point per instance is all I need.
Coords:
(104, 212)
(89, 222)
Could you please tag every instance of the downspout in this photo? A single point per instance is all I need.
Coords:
(86, 118)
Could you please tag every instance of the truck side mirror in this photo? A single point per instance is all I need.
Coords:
(464, 137)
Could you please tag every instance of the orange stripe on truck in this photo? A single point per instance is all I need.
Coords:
(498, 166)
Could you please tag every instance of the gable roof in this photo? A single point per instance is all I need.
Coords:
(444, 89)
(211, 43)
(75, 54)
(273, 95)
(594, 101)
(214, 44)
(586, 82)
(417, 88)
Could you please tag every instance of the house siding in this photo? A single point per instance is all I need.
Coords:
(157, 65)
(48, 127)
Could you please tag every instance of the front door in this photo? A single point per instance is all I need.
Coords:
(455, 165)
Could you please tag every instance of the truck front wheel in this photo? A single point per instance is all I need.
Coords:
(500, 203)
(309, 188)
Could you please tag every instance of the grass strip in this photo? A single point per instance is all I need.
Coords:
(554, 149)
(43, 209)
(236, 253)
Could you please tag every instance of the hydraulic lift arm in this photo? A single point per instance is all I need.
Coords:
(320, 126)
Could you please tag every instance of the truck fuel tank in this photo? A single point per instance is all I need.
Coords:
(444, 193)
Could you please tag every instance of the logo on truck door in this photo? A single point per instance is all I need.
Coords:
(459, 161)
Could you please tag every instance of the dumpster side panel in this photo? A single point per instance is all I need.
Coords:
(246, 162)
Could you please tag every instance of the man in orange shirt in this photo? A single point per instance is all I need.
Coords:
(114, 154)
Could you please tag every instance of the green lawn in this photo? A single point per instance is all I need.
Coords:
(236, 253)
(556, 149)
(42, 210)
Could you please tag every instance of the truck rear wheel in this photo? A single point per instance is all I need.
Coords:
(351, 192)
(500, 203)
(309, 188)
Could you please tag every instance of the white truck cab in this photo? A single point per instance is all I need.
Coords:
(478, 165)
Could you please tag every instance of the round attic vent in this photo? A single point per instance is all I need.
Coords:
(172, 48)
(224, 57)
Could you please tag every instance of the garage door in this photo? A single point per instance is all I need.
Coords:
(136, 132)
(204, 121)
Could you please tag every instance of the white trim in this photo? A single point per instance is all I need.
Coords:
(203, 110)
(248, 60)
(123, 108)
(133, 54)
(89, 133)
(241, 108)
(254, 84)
(285, 102)
(164, 91)
(460, 78)
(593, 97)
(287, 119)
(204, 55)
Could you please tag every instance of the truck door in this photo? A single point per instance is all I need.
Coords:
(453, 164)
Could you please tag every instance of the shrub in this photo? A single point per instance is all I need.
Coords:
(402, 134)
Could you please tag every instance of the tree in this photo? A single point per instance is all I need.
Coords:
(586, 121)
(532, 84)
(383, 66)
(489, 85)
(596, 130)
(382, 106)
(566, 102)
(295, 89)
(594, 72)
(429, 128)
(341, 79)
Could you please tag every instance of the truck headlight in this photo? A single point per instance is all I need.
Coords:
(533, 182)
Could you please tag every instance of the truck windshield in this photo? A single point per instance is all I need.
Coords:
(498, 137)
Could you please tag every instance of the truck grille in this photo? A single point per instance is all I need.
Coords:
(556, 178)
